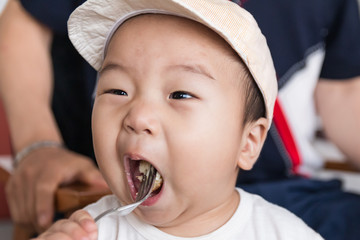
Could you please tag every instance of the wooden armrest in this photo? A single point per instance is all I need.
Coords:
(340, 166)
(4, 175)
(77, 195)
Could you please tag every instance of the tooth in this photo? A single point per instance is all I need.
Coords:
(158, 182)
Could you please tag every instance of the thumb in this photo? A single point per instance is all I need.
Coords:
(84, 219)
(92, 176)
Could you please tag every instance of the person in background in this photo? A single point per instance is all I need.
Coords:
(46, 89)
(316, 52)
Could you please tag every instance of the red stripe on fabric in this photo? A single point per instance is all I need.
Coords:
(286, 136)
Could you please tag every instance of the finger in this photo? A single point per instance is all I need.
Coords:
(15, 197)
(12, 201)
(44, 201)
(84, 219)
(81, 168)
(92, 176)
(54, 236)
(29, 182)
(69, 228)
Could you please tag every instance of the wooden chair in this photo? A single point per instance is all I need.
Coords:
(344, 166)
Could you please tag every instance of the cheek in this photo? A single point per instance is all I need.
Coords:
(103, 131)
(106, 124)
(105, 134)
(207, 155)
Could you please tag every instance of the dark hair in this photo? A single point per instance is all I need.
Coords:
(254, 107)
(254, 104)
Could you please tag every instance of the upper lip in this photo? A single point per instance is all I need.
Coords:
(136, 157)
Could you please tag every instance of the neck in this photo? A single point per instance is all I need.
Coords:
(206, 222)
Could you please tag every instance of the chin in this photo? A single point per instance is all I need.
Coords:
(161, 214)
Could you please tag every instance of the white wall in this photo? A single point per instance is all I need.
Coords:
(2, 4)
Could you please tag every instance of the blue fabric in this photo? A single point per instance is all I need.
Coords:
(342, 59)
(74, 77)
(72, 98)
(54, 13)
(293, 27)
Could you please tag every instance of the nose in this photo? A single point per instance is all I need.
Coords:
(141, 118)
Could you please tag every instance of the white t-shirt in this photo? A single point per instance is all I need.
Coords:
(254, 218)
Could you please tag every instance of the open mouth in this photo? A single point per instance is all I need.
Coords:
(137, 170)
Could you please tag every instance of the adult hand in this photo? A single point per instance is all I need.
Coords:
(30, 190)
(80, 226)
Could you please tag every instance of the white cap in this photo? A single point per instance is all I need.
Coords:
(92, 25)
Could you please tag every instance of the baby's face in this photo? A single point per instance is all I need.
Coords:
(168, 93)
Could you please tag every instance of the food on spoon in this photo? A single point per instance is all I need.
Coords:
(144, 168)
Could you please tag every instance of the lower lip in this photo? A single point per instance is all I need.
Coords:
(153, 199)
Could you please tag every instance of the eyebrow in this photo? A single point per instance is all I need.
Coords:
(111, 66)
(194, 68)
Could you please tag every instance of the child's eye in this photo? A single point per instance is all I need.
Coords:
(180, 95)
(117, 92)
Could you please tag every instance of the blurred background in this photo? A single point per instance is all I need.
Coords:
(5, 150)
(5, 161)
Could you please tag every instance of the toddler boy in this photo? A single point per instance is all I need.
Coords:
(187, 86)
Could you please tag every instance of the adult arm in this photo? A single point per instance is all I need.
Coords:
(338, 94)
(26, 90)
(338, 106)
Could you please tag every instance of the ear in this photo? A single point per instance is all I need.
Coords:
(254, 136)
